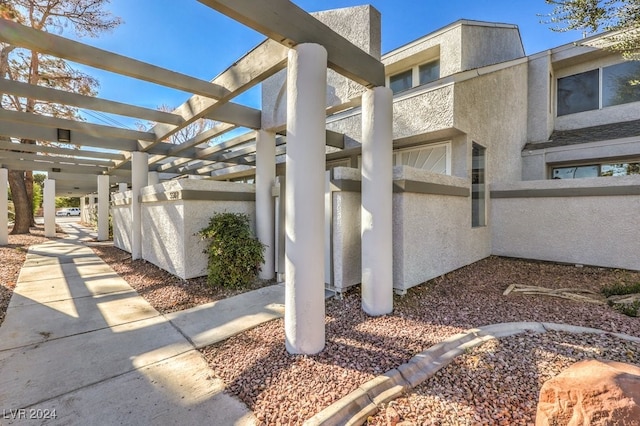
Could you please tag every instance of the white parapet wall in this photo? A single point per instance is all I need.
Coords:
(432, 232)
(173, 212)
(121, 220)
(579, 221)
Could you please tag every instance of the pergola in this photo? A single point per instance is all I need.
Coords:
(296, 41)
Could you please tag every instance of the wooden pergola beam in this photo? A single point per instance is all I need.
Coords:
(19, 35)
(10, 146)
(27, 156)
(87, 102)
(288, 24)
(259, 64)
(62, 123)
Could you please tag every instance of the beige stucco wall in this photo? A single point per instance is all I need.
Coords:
(591, 230)
(346, 261)
(492, 110)
(121, 220)
(169, 228)
(361, 26)
(432, 234)
(486, 44)
(541, 106)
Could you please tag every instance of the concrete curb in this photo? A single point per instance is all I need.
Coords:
(355, 408)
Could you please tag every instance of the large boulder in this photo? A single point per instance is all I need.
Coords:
(591, 393)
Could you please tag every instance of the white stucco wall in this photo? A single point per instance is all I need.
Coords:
(432, 234)
(591, 230)
(169, 228)
(121, 220)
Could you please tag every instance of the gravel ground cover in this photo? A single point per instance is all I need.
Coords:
(287, 389)
(165, 292)
(12, 257)
(498, 383)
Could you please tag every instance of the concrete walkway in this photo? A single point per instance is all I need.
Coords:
(79, 344)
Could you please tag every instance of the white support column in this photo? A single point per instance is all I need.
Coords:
(139, 176)
(153, 178)
(304, 245)
(103, 207)
(4, 208)
(123, 187)
(49, 204)
(265, 204)
(377, 198)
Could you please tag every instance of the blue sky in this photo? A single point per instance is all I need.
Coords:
(188, 37)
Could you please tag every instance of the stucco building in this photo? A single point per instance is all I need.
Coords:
(494, 152)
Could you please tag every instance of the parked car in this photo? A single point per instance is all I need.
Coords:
(71, 211)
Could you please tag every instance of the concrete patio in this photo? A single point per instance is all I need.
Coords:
(80, 343)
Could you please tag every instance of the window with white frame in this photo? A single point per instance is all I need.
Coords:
(602, 87)
(433, 158)
(415, 76)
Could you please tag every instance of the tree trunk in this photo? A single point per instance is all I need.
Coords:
(20, 202)
(28, 182)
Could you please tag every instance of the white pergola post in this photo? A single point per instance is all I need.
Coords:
(304, 245)
(4, 207)
(265, 203)
(103, 207)
(123, 187)
(49, 204)
(377, 198)
(139, 176)
(153, 178)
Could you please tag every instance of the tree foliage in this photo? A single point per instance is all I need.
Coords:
(621, 17)
(82, 18)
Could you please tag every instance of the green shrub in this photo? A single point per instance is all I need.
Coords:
(628, 309)
(234, 253)
(621, 288)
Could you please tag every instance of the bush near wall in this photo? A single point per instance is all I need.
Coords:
(234, 253)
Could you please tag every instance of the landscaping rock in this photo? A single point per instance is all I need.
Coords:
(392, 417)
(591, 392)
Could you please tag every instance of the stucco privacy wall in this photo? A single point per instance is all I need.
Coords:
(346, 267)
(558, 220)
(174, 211)
(432, 232)
(361, 26)
(121, 220)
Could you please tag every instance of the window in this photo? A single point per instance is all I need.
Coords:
(400, 82)
(429, 72)
(596, 170)
(433, 158)
(587, 91)
(477, 186)
(416, 76)
(621, 83)
(578, 93)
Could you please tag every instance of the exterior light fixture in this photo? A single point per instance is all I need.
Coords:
(55, 170)
(64, 135)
